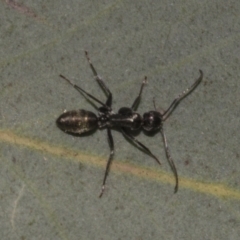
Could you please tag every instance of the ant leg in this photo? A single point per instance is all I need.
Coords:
(97, 77)
(111, 144)
(133, 139)
(137, 100)
(176, 101)
(100, 82)
(170, 160)
(83, 91)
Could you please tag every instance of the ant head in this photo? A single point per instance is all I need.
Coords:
(152, 121)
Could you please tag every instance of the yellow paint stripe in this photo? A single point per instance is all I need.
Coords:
(217, 190)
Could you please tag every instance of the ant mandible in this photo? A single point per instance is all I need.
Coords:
(77, 122)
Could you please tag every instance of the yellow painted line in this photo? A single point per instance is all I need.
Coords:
(217, 190)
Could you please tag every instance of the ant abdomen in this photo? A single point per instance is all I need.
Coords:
(152, 121)
(77, 121)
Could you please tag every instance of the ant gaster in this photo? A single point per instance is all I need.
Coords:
(77, 122)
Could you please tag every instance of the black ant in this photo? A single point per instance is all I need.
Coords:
(77, 122)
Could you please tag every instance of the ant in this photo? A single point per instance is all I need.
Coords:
(77, 122)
